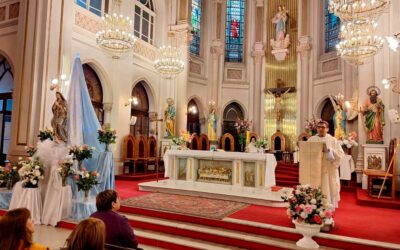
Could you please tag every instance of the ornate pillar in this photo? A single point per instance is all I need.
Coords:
(303, 68)
(366, 77)
(216, 50)
(258, 54)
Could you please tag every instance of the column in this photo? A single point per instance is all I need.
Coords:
(258, 54)
(366, 77)
(303, 67)
(107, 107)
(40, 57)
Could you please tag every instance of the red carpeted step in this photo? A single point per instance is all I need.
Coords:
(141, 176)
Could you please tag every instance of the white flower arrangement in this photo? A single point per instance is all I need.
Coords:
(30, 172)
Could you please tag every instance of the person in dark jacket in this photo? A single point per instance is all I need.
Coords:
(118, 230)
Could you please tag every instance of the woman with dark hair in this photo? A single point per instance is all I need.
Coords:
(16, 229)
(88, 234)
(118, 230)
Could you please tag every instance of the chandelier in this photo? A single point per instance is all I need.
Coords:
(116, 36)
(357, 9)
(169, 63)
(357, 42)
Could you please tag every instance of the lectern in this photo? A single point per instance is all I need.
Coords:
(310, 157)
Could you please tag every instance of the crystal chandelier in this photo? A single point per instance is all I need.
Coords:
(357, 42)
(116, 36)
(357, 9)
(169, 63)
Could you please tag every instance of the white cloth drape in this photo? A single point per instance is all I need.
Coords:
(29, 198)
(346, 167)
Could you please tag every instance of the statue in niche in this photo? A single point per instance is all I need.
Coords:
(212, 122)
(278, 102)
(169, 117)
(282, 41)
(60, 116)
(340, 116)
(373, 111)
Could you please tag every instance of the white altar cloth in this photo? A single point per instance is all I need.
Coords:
(199, 154)
(29, 198)
(346, 167)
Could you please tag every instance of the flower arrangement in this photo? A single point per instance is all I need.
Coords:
(30, 150)
(184, 137)
(85, 180)
(45, 134)
(242, 125)
(307, 204)
(349, 141)
(81, 153)
(312, 124)
(106, 135)
(65, 170)
(8, 176)
(261, 143)
(30, 172)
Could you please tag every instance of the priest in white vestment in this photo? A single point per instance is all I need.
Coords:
(330, 184)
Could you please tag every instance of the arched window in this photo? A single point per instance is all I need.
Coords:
(144, 20)
(332, 28)
(196, 27)
(6, 105)
(193, 118)
(140, 109)
(232, 112)
(234, 30)
(95, 91)
(95, 6)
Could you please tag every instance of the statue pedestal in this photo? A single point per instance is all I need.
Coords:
(280, 54)
(374, 159)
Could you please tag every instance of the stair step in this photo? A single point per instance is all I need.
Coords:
(285, 171)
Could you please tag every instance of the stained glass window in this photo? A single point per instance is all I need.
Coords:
(95, 6)
(332, 28)
(196, 27)
(234, 31)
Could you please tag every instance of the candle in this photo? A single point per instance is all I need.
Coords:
(247, 137)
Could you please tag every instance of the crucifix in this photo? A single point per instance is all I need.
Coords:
(279, 93)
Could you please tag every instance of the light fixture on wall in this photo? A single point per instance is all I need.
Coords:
(391, 82)
(116, 37)
(358, 42)
(133, 100)
(394, 41)
(348, 10)
(192, 110)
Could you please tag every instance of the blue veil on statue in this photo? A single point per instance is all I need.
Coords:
(83, 126)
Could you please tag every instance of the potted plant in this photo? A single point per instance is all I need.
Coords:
(81, 153)
(182, 141)
(65, 170)
(308, 208)
(85, 180)
(30, 172)
(107, 136)
(261, 144)
(242, 127)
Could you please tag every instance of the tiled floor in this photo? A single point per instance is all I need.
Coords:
(54, 237)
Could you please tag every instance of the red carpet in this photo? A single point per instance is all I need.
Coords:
(351, 219)
(287, 174)
(184, 204)
(364, 199)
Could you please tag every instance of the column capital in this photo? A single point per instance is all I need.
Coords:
(304, 46)
(259, 3)
(258, 52)
(183, 33)
(216, 48)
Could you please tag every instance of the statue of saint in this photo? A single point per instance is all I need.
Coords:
(278, 103)
(340, 116)
(169, 117)
(59, 120)
(373, 111)
(212, 123)
(280, 19)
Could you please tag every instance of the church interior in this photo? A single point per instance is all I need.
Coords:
(222, 124)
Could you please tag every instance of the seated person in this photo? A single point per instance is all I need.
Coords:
(88, 234)
(251, 148)
(16, 229)
(118, 230)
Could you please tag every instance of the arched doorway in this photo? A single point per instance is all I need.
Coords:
(232, 112)
(327, 113)
(6, 104)
(95, 91)
(193, 118)
(140, 109)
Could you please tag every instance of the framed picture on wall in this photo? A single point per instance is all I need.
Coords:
(374, 157)
(164, 146)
